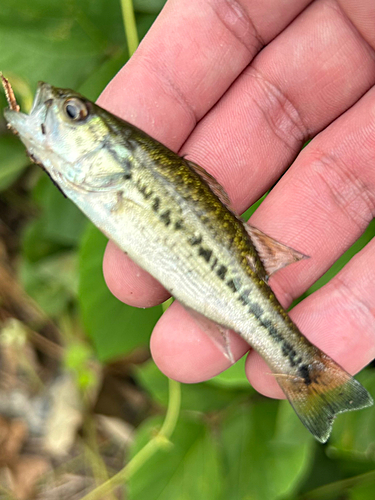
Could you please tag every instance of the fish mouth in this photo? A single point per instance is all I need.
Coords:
(30, 126)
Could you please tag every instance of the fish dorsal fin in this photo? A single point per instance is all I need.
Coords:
(215, 187)
(274, 255)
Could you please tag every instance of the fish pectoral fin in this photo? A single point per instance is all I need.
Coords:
(274, 255)
(324, 391)
(215, 187)
(217, 333)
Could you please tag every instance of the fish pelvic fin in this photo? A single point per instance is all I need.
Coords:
(321, 391)
(217, 333)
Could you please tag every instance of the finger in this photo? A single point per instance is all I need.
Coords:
(338, 318)
(293, 89)
(320, 207)
(190, 57)
(326, 200)
(362, 15)
(186, 353)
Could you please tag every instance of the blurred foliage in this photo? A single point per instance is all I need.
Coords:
(189, 469)
(230, 443)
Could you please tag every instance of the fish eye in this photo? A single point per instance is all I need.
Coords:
(75, 109)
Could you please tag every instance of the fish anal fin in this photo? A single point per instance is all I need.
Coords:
(274, 255)
(215, 187)
(217, 333)
(322, 391)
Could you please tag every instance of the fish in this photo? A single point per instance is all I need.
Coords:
(176, 222)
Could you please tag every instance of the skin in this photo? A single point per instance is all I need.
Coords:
(199, 84)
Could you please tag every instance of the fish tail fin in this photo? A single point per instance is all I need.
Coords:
(320, 391)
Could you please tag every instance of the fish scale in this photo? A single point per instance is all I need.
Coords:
(175, 221)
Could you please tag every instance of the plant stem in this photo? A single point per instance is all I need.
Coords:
(129, 25)
(173, 411)
(148, 450)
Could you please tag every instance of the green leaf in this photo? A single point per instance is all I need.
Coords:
(58, 42)
(364, 491)
(60, 224)
(96, 82)
(249, 212)
(233, 377)
(54, 45)
(115, 328)
(63, 222)
(13, 160)
(103, 19)
(144, 22)
(189, 469)
(354, 432)
(266, 451)
(204, 397)
(35, 245)
(148, 6)
(52, 281)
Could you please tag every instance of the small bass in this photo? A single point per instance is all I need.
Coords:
(174, 220)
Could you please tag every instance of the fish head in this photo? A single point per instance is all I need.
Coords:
(66, 135)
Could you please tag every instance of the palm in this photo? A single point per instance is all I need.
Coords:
(199, 84)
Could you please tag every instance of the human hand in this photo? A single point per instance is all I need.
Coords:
(199, 84)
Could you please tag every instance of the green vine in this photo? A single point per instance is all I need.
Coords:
(130, 26)
(156, 443)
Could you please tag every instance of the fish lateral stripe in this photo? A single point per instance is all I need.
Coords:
(231, 284)
(178, 224)
(222, 271)
(214, 263)
(156, 204)
(144, 190)
(206, 253)
(195, 240)
(166, 217)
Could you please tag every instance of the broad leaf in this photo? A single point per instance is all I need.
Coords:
(365, 488)
(13, 160)
(149, 6)
(233, 377)
(51, 281)
(266, 451)
(188, 469)
(45, 45)
(60, 224)
(354, 431)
